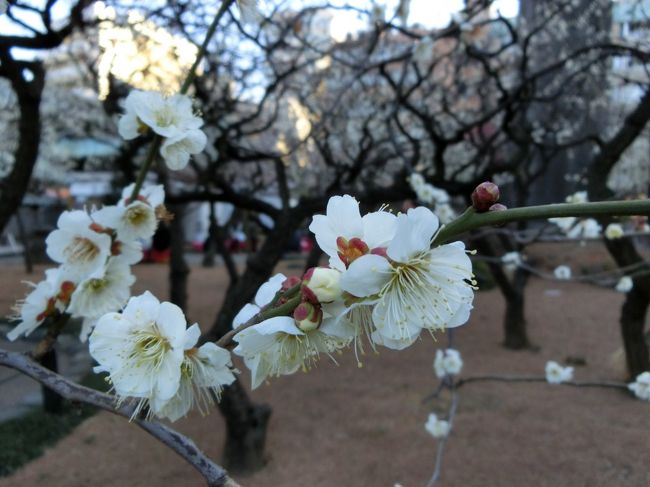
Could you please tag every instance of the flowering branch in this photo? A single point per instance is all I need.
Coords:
(214, 475)
(534, 378)
(471, 220)
(269, 311)
(191, 74)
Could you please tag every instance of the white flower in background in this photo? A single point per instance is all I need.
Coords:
(614, 231)
(345, 236)
(564, 223)
(204, 372)
(49, 296)
(4, 5)
(248, 11)
(322, 285)
(166, 116)
(135, 221)
(141, 348)
(177, 150)
(577, 197)
(562, 272)
(445, 213)
(641, 386)
(438, 428)
(556, 374)
(447, 362)
(97, 296)
(625, 284)
(511, 260)
(82, 251)
(588, 228)
(414, 287)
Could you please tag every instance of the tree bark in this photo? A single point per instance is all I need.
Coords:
(512, 289)
(28, 93)
(178, 268)
(246, 422)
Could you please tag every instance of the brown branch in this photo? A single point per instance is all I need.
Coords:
(214, 475)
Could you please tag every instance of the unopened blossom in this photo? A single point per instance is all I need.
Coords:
(641, 386)
(321, 285)
(142, 349)
(277, 346)
(49, 296)
(345, 236)
(96, 296)
(511, 260)
(81, 250)
(625, 284)
(438, 428)
(556, 374)
(562, 272)
(484, 196)
(204, 372)
(447, 362)
(413, 287)
(614, 231)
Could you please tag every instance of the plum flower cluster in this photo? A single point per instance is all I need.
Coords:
(171, 118)
(384, 282)
(436, 198)
(438, 428)
(577, 228)
(447, 362)
(641, 386)
(151, 356)
(94, 251)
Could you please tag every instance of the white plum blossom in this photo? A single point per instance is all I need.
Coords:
(556, 374)
(588, 228)
(177, 150)
(204, 372)
(154, 195)
(511, 260)
(413, 287)
(564, 223)
(344, 235)
(142, 349)
(166, 116)
(625, 284)
(577, 197)
(169, 117)
(49, 296)
(562, 272)
(641, 386)
(81, 250)
(614, 231)
(135, 221)
(447, 362)
(96, 296)
(437, 428)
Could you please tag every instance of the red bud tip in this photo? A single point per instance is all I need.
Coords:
(484, 196)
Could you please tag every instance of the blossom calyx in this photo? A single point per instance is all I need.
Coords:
(321, 285)
(484, 196)
(290, 282)
(308, 316)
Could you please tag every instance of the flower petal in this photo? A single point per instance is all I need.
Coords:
(366, 276)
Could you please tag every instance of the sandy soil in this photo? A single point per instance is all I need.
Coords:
(349, 426)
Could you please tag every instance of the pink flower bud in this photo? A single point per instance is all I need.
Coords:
(485, 195)
(308, 316)
(290, 282)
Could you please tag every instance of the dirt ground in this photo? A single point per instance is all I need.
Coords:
(349, 426)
